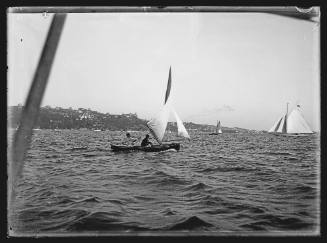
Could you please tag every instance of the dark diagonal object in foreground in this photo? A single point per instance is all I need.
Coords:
(31, 109)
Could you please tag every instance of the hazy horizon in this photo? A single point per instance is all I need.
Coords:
(239, 68)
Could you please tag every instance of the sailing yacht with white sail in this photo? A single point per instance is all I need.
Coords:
(218, 129)
(294, 123)
(157, 126)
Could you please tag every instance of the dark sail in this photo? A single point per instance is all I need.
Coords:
(168, 86)
(278, 124)
(284, 129)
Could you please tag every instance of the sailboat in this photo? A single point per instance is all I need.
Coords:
(218, 129)
(157, 127)
(292, 124)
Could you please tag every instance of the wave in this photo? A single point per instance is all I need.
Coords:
(168, 212)
(299, 190)
(71, 201)
(65, 219)
(190, 224)
(144, 198)
(283, 223)
(216, 211)
(277, 153)
(162, 177)
(54, 219)
(66, 201)
(102, 150)
(77, 213)
(78, 148)
(168, 151)
(227, 169)
(53, 156)
(253, 226)
(221, 206)
(89, 155)
(304, 189)
(90, 199)
(102, 221)
(198, 186)
(116, 201)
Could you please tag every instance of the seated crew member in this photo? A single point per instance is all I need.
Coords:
(146, 142)
(129, 140)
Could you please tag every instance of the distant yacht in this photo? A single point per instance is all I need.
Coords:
(218, 129)
(294, 123)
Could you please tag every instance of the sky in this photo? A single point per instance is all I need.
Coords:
(239, 68)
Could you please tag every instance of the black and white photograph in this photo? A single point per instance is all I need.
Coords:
(163, 121)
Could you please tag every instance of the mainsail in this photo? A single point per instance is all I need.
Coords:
(158, 125)
(296, 122)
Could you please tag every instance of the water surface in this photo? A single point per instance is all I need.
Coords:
(249, 183)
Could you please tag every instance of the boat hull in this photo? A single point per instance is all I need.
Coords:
(153, 148)
(214, 133)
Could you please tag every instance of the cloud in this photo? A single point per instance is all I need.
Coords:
(213, 111)
(224, 108)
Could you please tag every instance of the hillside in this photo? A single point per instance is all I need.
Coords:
(61, 118)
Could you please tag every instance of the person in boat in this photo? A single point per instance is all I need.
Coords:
(146, 142)
(129, 141)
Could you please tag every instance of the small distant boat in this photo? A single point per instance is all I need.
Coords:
(218, 129)
(293, 124)
(157, 126)
(97, 130)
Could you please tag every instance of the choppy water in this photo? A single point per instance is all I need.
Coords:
(72, 182)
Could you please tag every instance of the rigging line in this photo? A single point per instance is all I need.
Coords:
(30, 111)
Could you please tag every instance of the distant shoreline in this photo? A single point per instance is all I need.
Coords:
(136, 131)
(81, 118)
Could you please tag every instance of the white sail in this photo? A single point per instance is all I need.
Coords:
(181, 130)
(296, 122)
(158, 124)
(219, 128)
(275, 127)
